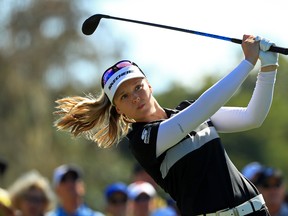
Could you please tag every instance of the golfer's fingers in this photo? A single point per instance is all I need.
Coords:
(247, 37)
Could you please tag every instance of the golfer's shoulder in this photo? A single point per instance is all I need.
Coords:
(183, 104)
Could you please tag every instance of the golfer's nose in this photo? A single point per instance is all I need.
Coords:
(135, 98)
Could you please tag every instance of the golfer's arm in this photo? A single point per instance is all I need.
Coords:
(172, 130)
(234, 119)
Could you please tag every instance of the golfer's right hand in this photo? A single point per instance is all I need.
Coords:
(250, 48)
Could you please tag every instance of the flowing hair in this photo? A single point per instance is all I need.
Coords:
(94, 117)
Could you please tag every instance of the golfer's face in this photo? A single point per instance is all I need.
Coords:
(133, 99)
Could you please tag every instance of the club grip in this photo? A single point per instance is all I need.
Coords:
(271, 49)
(279, 50)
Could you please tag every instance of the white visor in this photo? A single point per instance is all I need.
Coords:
(119, 77)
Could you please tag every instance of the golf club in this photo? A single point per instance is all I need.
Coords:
(89, 26)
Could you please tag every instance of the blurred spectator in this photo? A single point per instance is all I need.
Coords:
(4, 197)
(164, 211)
(270, 183)
(251, 171)
(141, 196)
(116, 199)
(139, 174)
(70, 190)
(31, 195)
(3, 166)
(5, 203)
(172, 204)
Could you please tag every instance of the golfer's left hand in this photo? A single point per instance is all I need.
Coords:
(266, 57)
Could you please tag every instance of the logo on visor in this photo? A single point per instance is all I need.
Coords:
(118, 77)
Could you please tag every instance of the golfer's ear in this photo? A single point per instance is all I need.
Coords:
(118, 110)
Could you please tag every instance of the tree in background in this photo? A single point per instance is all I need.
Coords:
(42, 52)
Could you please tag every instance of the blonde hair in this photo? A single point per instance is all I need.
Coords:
(94, 117)
(31, 180)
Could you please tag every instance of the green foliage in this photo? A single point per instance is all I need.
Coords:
(35, 71)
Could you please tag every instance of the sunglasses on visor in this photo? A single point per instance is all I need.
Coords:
(112, 70)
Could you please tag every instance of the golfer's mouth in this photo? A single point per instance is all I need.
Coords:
(140, 106)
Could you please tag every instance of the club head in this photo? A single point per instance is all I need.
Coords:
(89, 26)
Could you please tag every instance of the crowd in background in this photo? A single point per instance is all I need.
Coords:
(270, 182)
(33, 195)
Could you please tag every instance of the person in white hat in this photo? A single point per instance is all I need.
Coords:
(141, 196)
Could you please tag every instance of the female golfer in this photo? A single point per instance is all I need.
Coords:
(180, 148)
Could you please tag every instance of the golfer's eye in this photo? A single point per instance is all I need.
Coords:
(139, 87)
(124, 96)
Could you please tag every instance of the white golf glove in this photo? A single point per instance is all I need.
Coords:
(266, 57)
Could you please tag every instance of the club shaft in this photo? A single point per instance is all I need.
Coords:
(234, 40)
(175, 29)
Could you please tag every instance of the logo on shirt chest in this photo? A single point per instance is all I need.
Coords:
(146, 135)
